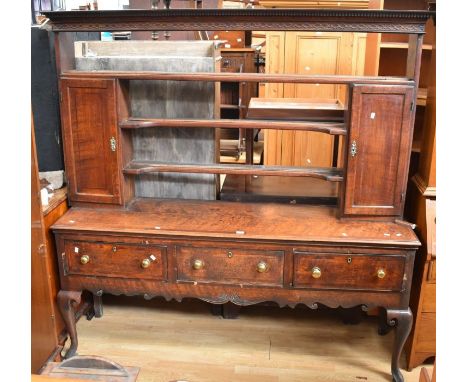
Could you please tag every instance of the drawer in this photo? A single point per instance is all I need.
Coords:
(230, 266)
(354, 272)
(115, 260)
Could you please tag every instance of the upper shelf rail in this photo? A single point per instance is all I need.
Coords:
(324, 20)
(239, 77)
(331, 174)
(332, 128)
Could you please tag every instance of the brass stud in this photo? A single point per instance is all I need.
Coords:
(262, 267)
(145, 263)
(316, 272)
(84, 259)
(380, 273)
(197, 264)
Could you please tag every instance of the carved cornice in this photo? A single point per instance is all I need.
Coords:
(326, 20)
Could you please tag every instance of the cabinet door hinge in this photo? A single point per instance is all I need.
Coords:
(61, 97)
(412, 106)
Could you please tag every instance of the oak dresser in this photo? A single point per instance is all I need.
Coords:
(356, 252)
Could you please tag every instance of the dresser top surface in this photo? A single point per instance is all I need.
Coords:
(232, 220)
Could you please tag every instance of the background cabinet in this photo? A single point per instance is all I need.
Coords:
(309, 53)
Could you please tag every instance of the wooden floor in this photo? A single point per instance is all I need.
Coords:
(173, 341)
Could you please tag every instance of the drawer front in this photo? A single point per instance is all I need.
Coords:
(230, 266)
(115, 260)
(350, 271)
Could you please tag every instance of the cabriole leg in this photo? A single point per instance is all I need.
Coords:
(384, 328)
(67, 301)
(403, 320)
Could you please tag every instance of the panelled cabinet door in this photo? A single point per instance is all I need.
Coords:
(89, 129)
(379, 149)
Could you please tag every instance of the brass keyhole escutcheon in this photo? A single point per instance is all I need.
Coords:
(316, 272)
(114, 249)
(84, 259)
(145, 263)
(353, 148)
(380, 273)
(197, 264)
(230, 254)
(349, 260)
(262, 267)
(113, 144)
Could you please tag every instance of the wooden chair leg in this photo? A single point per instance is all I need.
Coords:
(67, 301)
(403, 320)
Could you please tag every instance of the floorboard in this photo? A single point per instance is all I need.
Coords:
(173, 341)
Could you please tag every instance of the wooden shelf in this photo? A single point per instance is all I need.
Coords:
(146, 167)
(296, 109)
(401, 45)
(239, 77)
(332, 128)
(227, 106)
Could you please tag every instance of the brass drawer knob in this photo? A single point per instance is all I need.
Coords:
(145, 263)
(84, 259)
(380, 273)
(262, 267)
(197, 264)
(316, 272)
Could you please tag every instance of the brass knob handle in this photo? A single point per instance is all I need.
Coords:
(197, 264)
(262, 267)
(145, 263)
(84, 259)
(316, 272)
(380, 273)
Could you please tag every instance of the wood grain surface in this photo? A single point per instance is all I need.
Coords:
(223, 219)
